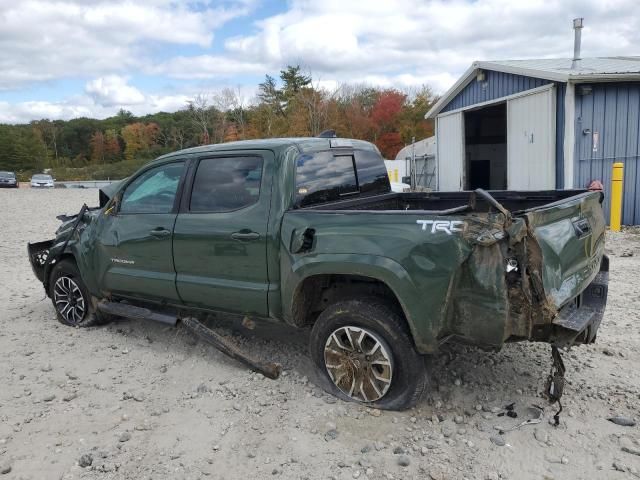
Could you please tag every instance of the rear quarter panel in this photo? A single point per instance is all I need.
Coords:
(422, 265)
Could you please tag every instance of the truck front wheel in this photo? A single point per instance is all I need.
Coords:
(71, 298)
(364, 349)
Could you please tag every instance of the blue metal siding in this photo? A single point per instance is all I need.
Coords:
(496, 85)
(612, 110)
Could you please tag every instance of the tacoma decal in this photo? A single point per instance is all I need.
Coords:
(120, 260)
(446, 226)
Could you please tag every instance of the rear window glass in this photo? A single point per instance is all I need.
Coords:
(329, 176)
(226, 184)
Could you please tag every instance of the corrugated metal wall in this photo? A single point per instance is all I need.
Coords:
(608, 131)
(450, 155)
(498, 85)
(531, 141)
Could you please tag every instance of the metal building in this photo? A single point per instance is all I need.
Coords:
(418, 158)
(542, 124)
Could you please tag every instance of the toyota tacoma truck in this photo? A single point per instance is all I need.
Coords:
(307, 231)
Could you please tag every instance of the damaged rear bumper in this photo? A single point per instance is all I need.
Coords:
(578, 321)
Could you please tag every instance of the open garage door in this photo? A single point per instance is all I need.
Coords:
(450, 148)
(531, 141)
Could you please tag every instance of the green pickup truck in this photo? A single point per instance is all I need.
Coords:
(307, 231)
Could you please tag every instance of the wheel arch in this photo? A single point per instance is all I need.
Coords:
(317, 282)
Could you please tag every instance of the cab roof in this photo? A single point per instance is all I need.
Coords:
(303, 144)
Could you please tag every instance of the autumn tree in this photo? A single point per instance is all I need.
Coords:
(288, 104)
(385, 115)
(112, 147)
(139, 139)
(412, 122)
(97, 144)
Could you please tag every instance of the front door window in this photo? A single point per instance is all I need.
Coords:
(154, 191)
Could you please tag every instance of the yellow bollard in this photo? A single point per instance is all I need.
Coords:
(617, 178)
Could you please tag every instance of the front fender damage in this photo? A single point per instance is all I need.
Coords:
(44, 255)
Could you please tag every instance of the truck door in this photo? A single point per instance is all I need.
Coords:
(134, 239)
(220, 236)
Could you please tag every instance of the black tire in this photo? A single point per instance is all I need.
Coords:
(383, 323)
(66, 278)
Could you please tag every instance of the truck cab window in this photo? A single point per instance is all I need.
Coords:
(226, 184)
(328, 176)
(154, 191)
(324, 176)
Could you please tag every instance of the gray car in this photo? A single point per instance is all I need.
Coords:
(8, 180)
(42, 180)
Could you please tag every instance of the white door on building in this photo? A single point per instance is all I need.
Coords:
(450, 148)
(531, 141)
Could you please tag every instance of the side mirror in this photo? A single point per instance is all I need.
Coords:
(113, 208)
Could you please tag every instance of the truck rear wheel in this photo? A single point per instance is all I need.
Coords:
(71, 298)
(365, 350)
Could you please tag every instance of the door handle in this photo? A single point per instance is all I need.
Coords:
(160, 232)
(244, 236)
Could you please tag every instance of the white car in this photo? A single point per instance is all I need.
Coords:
(42, 181)
(400, 187)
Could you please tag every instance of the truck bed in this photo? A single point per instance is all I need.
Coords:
(443, 203)
(483, 267)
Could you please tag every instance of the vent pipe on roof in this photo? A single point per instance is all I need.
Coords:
(577, 40)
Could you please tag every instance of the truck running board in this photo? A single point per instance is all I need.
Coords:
(268, 369)
(137, 313)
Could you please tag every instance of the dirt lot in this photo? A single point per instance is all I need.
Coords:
(143, 401)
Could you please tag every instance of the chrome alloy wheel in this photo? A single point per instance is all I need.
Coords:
(69, 300)
(359, 363)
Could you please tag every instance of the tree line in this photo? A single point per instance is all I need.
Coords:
(290, 105)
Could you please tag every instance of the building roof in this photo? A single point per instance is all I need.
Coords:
(595, 69)
(421, 148)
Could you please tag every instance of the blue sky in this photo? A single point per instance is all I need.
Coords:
(67, 58)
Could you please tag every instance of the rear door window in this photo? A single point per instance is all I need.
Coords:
(372, 173)
(226, 184)
(325, 176)
(329, 176)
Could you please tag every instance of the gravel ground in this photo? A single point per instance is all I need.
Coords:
(140, 400)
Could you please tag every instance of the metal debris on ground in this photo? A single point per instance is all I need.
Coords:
(535, 413)
(555, 382)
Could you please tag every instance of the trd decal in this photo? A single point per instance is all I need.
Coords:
(446, 226)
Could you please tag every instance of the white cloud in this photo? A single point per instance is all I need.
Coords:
(44, 40)
(113, 90)
(206, 67)
(405, 42)
(391, 43)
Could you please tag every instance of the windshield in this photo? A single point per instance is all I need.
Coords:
(7, 175)
(42, 177)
